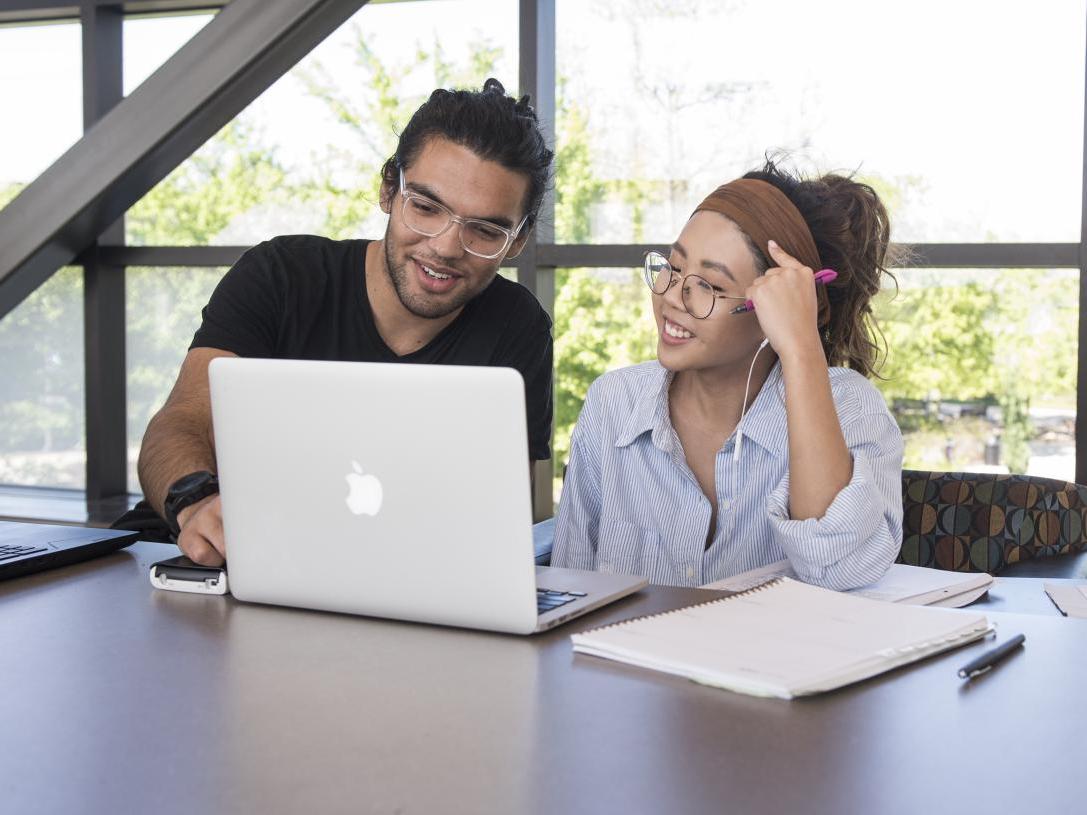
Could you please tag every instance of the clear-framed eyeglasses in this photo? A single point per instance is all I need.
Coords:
(698, 295)
(427, 217)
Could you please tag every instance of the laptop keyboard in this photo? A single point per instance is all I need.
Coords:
(549, 599)
(11, 551)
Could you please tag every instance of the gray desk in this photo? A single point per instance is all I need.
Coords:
(122, 699)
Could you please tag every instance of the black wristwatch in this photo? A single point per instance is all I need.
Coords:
(185, 492)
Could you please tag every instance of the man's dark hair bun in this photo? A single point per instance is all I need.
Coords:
(490, 123)
(523, 107)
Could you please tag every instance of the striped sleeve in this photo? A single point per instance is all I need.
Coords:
(858, 538)
(578, 520)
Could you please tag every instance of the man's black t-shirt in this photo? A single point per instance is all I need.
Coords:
(304, 297)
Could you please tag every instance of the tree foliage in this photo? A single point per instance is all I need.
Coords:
(41, 391)
(1002, 337)
(602, 322)
(227, 177)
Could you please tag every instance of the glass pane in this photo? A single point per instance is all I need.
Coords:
(266, 174)
(981, 371)
(150, 41)
(41, 390)
(603, 320)
(162, 314)
(41, 83)
(952, 127)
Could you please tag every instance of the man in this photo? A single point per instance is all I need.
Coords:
(462, 193)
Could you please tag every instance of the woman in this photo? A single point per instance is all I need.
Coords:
(748, 440)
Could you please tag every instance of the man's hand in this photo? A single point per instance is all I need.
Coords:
(201, 538)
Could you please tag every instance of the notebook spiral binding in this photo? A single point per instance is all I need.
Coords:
(927, 645)
(753, 590)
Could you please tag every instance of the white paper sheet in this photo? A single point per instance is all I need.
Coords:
(914, 585)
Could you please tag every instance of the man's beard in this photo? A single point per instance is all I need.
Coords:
(421, 306)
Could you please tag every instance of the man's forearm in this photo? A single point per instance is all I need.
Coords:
(174, 445)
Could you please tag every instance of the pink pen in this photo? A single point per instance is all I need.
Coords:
(822, 276)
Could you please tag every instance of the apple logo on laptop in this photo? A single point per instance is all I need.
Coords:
(365, 492)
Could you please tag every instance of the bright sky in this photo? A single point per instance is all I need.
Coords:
(982, 100)
(973, 109)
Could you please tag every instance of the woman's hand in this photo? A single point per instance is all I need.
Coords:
(786, 306)
(820, 464)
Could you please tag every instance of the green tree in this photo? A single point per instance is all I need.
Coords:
(229, 176)
(940, 342)
(232, 173)
(41, 393)
(602, 317)
(999, 337)
(577, 188)
(601, 322)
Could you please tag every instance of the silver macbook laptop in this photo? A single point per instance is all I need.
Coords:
(396, 491)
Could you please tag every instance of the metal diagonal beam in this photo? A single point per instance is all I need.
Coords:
(235, 57)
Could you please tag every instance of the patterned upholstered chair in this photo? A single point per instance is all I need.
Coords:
(982, 522)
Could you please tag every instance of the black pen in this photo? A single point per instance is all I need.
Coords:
(987, 660)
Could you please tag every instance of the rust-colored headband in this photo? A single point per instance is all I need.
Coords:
(765, 213)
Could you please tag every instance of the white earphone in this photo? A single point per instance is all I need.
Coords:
(743, 409)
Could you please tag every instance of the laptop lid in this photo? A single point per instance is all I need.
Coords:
(391, 490)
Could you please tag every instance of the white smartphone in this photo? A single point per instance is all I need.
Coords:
(181, 574)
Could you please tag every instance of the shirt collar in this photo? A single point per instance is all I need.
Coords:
(649, 413)
(764, 423)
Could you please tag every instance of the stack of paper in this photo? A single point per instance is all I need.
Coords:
(1070, 598)
(913, 585)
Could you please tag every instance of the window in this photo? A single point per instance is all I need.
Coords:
(969, 116)
(968, 120)
(981, 371)
(162, 314)
(41, 391)
(304, 157)
(41, 79)
(603, 320)
(150, 41)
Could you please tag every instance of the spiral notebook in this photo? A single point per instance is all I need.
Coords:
(784, 639)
